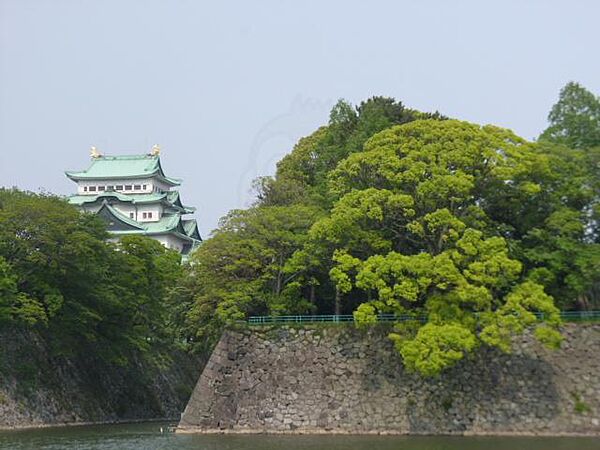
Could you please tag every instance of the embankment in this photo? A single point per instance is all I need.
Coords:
(342, 380)
(39, 389)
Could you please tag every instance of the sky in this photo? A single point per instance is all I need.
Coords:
(227, 87)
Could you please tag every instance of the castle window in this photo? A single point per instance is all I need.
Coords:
(101, 188)
(149, 215)
(131, 215)
(110, 188)
(92, 188)
(144, 215)
(137, 187)
(127, 187)
(119, 187)
(85, 189)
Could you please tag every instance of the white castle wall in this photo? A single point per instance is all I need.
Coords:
(170, 241)
(155, 209)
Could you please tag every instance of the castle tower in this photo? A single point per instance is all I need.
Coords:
(134, 196)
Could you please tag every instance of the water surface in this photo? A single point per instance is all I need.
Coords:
(147, 436)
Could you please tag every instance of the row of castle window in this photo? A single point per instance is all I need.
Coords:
(146, 215)
(120, 187)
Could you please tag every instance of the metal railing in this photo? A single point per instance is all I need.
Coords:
(576, 316)
(567, 316)
(331, 318)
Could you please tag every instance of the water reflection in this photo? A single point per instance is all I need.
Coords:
(147, 436)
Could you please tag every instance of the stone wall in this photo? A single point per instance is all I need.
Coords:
(341, 380)
(38, 389)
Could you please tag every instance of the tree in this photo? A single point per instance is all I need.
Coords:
(416, 230)
(146, 272)
(61, 278)
(561, 259)
(574, 119)
(241, 270)
(388, 210)
(302, 175)
(263, 260)
(42, 238)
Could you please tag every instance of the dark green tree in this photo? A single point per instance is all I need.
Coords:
(574, 119)
(301, 176)
(60, 277)
(241, 269)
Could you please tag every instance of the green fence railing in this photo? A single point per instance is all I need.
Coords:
(567, 316)
(577, 316)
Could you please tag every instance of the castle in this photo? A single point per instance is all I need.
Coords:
(134, 196)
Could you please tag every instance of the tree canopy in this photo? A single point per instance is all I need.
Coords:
(414, 230)
(471, 230)
(61, 277)
(575, 118)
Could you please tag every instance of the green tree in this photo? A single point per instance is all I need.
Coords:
(302, 175)
(146, 272)
(41, 238)
(575, 118)
(241, 270)
(563, 260)
(389, 210)
(8, 291)
(415, 230)
(60, 277)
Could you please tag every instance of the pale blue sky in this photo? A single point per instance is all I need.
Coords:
(226, 88)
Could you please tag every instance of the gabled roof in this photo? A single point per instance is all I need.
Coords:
(170, 198)
(191, 228)
(123, 167)
(117, 221)
(128, 198)
(175, 199)
(120, 224)
(165, 224)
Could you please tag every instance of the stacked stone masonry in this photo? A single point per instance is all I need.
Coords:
(339, 379)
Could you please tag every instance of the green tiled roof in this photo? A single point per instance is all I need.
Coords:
(191, 228)
(175, 199)
(122, 217)
(171, 198)
(109, 169)
(167, 224)
(127, 166)
(129, 198)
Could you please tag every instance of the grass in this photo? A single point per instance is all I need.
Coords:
(580, 407)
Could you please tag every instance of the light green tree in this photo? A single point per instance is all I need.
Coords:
(412, 231)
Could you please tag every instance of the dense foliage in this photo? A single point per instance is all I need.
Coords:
(60, 277)
(260, 260)
(470, 229)
(575, 118)
(390, 210)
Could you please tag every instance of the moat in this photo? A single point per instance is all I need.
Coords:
(148, 436)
